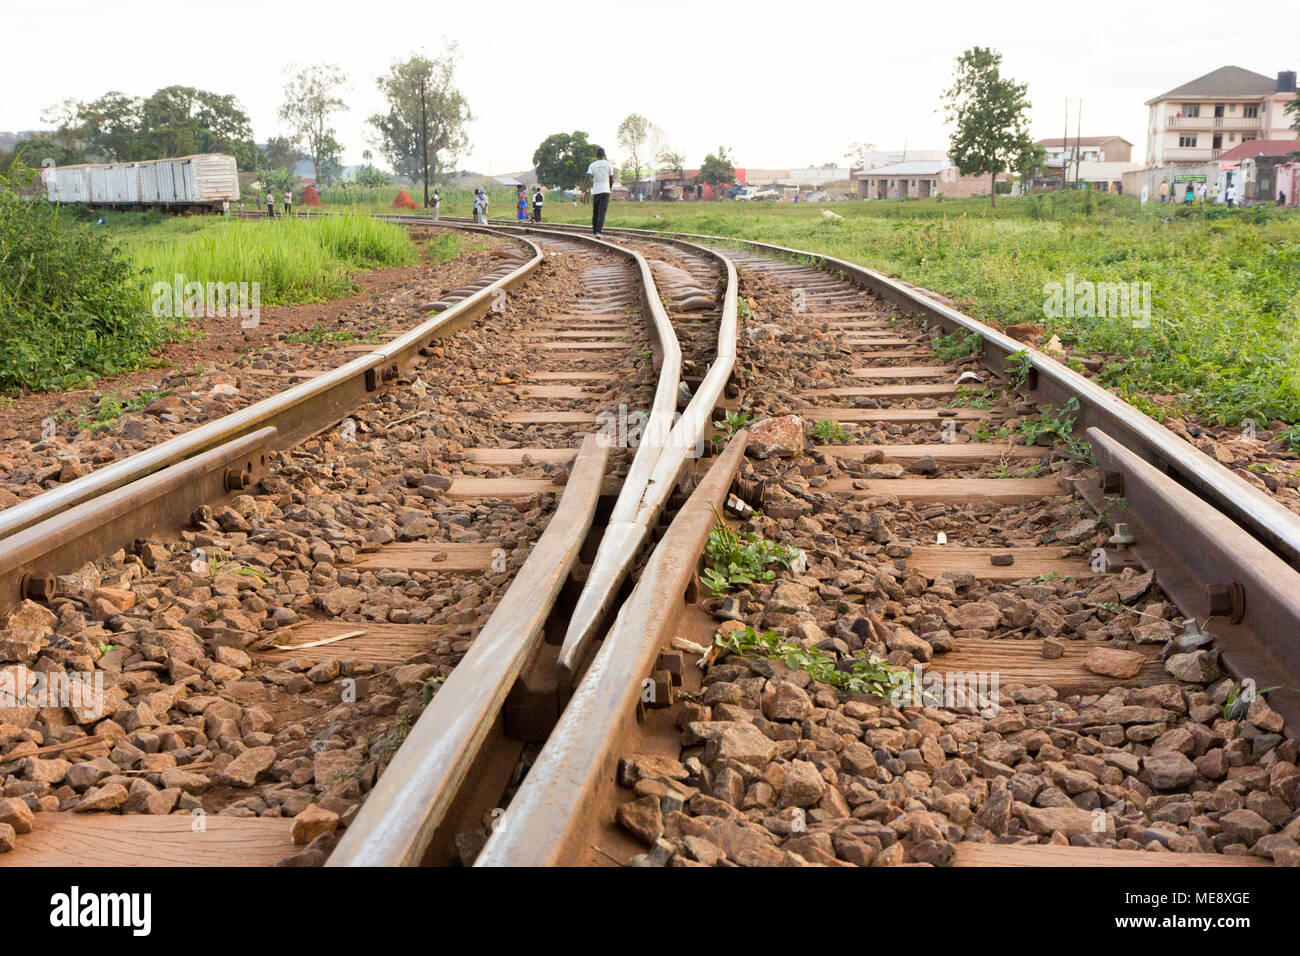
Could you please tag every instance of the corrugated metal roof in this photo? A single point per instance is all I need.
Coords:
(918, 168)
(1226, 81)
(1083, 141)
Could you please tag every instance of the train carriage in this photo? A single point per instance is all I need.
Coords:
(202, 181)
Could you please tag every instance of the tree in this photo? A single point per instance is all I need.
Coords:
(110, 126)
(34, 152)
(279, 180)
(1029, 163)
(424, 130)
(672, 160)
(639, 139)
(858, 153)
(991, 113)
(280, 151)
(182, 120)
(173, 121)
(717, 170)
(65, 118)
(329, 161)
(310, 99)
(368, 175)
(562, 159)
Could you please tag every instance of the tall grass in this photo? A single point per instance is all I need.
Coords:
(295, 260)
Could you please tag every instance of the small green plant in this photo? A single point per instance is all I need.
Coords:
(959, 345)
(430, 688)
(1230, 706)
(215, 565)
(1059, 423)
(105, 648)
(736, 559)
(971, 398)
(855, 675)
(1292, 437)
(734, 422)
(388, 744)
(1005, 471)
(318, 334)
(144, 398)
(1017, 366)
(830, 432)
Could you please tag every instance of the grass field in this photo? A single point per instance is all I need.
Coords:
(1224, 336)
(294, 260)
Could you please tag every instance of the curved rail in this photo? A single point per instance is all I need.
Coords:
(577, 763)
(634, 517)
(397, 822)
(656, 468)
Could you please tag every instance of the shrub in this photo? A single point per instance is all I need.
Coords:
(69, 296)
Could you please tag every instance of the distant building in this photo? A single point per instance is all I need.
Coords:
(919, 180)
(1093, 162)
(1200, 120)
(1089, 149)
(888, 157)
(1253, 169)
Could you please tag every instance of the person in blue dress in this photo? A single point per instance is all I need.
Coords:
(521, 203)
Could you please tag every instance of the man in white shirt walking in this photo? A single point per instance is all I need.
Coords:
(599, 182)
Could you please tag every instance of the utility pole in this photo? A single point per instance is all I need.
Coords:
(424, 141)
(1078, 144)
(1065, 143)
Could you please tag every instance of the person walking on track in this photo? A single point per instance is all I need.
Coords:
(270, 204)
(436, 200)
(538, 199)
(288, 201)
(599, 183)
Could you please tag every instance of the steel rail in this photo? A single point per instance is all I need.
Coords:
(616, 552)
(159, 502)
(296, 413)
(576, 765)
(397, 822)
(1211, 568)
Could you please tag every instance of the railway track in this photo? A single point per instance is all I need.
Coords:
(1068, 582)
(948, 520)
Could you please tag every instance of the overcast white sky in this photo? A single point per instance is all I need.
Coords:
(783, 84)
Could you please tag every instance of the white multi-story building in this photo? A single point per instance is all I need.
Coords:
(1198, 121)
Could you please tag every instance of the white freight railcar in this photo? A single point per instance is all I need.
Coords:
(205, 180)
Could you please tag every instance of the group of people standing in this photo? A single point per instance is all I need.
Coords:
(521, 203)
(1199, 192)
(270, 203)
(598, 186)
